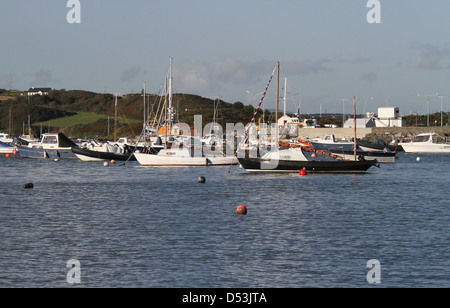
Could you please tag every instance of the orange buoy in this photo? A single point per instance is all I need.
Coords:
(113, 161)
(15, 152)
(314, 155)
(8, 155)
(242, 210)
(303, 172)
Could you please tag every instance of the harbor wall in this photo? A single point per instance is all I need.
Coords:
(367, 133)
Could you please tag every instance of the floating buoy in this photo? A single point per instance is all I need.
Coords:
(15, 152)
(56, 159)
(242, 210)
(113, 161)
(314, 155)
(418, 158)
(303, 172)
(106, 164)
(28, 185)
(8, 155)
(201, 179)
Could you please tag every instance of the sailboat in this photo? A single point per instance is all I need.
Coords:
(294, 157)
(190, 154)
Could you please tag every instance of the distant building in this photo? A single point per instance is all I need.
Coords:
(38, 91)
(360, 123)
(389, 117)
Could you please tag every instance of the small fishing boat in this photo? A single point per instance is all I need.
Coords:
(427, 143)
(51, 146)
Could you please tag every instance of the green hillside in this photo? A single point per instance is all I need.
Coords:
(80, 114)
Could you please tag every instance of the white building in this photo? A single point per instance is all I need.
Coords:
(360, 123)
(389, 117)
(38, 91)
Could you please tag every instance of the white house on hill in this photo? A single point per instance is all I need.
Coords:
(38, 91)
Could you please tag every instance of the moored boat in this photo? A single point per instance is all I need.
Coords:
(330, 141)
(294, 160)
(51, 146)
(427, 143)
(85, 154)
(6, 148)
(184, 157)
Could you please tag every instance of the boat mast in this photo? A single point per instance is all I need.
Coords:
(10, 117)
(165, 116)
(145, 117)
(115, 120)
(277, 100)
(285, 96)
(171, 113)
(354, 124)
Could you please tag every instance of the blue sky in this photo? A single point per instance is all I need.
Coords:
(326, 48)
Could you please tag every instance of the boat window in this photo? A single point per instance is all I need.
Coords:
(422, 138)
(50, 140)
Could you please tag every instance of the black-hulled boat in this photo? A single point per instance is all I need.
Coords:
(85, 154)
(295, 159)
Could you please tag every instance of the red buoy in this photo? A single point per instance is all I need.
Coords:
(302, 172)
(8, 155)
(15, 152)
(314, 155)
(242, 210)
(113, 161)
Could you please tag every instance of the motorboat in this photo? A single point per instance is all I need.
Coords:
(379, 145)
(6, 138)
(56, 146)
(427, 143)
(330, 141)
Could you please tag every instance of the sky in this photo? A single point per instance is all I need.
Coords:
(328, 51)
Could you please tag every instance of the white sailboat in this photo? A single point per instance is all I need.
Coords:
(186, 155)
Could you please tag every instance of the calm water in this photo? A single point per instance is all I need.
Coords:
(131, 226)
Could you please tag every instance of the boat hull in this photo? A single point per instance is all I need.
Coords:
(157, 160)
(426, 148)
(332, 166)
(37, 153)
(89, 155)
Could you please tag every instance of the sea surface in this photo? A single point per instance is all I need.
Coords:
(157, 227)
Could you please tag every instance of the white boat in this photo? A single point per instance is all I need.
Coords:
(6, 138)
(427, 143)
(185, 157)
(329, 141)
(6, 148)
(56, 146)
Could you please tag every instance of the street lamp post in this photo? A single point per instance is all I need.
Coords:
(343, 100)
(428, 106)
(442, 107)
